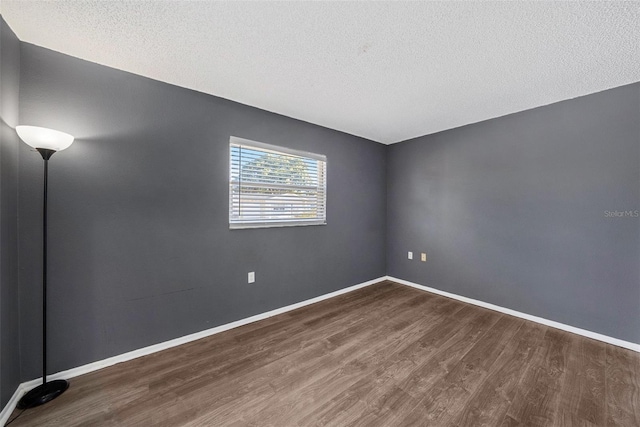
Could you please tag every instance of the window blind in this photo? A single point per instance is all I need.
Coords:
(271, 186)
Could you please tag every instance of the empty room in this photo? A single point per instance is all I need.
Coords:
(304, 213)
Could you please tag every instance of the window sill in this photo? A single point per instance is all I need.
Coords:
(275, 224)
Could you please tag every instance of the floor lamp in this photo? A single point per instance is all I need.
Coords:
(46, 142)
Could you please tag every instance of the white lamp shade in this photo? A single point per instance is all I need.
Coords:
(49, 139)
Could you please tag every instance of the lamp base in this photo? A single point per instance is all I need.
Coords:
(43, 394)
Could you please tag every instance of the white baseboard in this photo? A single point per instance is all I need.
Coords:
(589, 334)
(94, 366)
(11, 404)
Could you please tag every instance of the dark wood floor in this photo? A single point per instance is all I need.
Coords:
(385, 355)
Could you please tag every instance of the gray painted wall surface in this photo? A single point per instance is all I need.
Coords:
(511, 211)
(140, 246)
(9, 338)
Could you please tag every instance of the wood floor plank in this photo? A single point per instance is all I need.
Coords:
(451, 392)
(239, 382)
(384, 355)
(450, 352)
(327, 407)
(535, 401)
(437, 314)
(392, 324)
(492, 399)
(381, 366)
(582, 396)
(622, 389)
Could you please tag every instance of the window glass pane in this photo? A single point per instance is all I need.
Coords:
(275, 186)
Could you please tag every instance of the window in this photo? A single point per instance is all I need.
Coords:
(272, 186)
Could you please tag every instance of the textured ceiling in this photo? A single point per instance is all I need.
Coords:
(387, 71)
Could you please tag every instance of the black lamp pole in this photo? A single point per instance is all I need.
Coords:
(46, 391)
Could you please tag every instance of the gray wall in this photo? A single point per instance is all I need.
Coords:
(9, 338)
(140, 247)
(511, 211)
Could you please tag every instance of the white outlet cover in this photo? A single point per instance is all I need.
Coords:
(251, 277)
(410, 255)
(423, 256)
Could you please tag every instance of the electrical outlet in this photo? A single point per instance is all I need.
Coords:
(410, 255)
(423, 256)
(251, 277)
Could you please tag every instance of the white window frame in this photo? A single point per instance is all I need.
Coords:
(235, 202)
